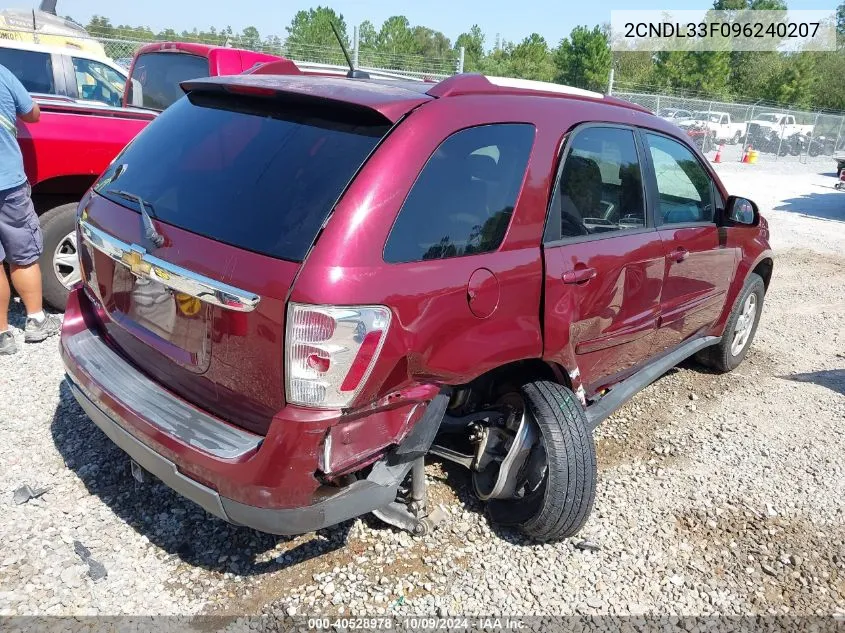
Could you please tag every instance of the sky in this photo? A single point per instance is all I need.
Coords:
(553, 19)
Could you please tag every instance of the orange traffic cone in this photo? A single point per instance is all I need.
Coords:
(718, 157)
(745, 154)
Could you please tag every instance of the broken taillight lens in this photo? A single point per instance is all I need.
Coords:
(330, 351)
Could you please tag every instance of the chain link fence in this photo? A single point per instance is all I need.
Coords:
(777, 133)
(306, 56)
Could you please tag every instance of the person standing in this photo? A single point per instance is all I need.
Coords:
(20, 233)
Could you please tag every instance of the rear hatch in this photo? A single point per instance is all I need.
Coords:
(236, 189)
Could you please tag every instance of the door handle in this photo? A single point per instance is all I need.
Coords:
(579, 275)
(679, 254)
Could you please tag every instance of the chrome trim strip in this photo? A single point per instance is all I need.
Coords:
(179, 279)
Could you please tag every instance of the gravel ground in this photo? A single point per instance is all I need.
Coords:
(717, 494)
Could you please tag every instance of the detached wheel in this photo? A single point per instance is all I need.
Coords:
(557, 482)
(740, 329)
(60, 260)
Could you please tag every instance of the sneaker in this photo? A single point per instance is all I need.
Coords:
(7, 343)
(36, 332)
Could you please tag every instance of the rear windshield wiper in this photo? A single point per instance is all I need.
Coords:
(149, 228)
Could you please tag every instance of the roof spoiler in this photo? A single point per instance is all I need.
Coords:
(279, 67)
(303, 90)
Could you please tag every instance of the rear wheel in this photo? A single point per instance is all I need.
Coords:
(556, 484)
(60, 260)
(736, 138)
(740, 329)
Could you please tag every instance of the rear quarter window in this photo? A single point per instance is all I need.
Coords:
(463, 200)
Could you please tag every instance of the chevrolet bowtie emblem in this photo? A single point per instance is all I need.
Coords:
(135, 261)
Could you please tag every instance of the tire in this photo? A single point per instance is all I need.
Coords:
(723, 357)
(58, 228)
(560, 506)
(736, 138)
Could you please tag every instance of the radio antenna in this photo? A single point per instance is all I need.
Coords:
(353, 73)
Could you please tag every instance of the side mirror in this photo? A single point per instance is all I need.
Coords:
(742, 211)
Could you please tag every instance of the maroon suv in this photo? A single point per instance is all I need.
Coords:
(296, 288)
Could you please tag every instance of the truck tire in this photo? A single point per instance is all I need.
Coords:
(59, 261)
(740, 329)
(559, 507)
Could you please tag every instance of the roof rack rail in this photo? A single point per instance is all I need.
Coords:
(473, 83)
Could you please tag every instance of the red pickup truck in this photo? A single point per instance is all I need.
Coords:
(74, 142)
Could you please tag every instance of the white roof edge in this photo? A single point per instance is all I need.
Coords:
(544, 86)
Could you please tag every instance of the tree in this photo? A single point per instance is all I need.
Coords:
(310, 35)
(430, 43)
(532, 59)
(250, 38)
(743, 5)
(273, 44)
(634, 68)
(367, 36)
(793, 85)
(396, 36)
(100, 26)
(697, 71)
(473, 44)
(828, 89)
(583, 59)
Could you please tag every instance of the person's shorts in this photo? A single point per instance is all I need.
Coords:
(20, 232)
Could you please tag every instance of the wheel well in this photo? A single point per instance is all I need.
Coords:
(60, 190)
(764, 269)
(518, 372)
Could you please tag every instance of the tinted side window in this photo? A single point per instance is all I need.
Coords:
(158, 76)
(600, 188)
(685, 192)
(462, 201)
(34, 70)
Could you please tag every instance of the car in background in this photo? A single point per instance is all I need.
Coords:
(784, 124)
(674, 115)
(718, 126)
(60, 71)
(158, 69)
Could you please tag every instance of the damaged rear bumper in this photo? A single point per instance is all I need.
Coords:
(351, 501)
(263, 482)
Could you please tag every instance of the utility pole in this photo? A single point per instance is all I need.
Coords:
(461, 60)
(355, 45)
(610, 81)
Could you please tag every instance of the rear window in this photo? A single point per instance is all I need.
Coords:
(34, 70)
(252, 173)
(157, 77)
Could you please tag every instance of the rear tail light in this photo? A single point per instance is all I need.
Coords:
(330, 352)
